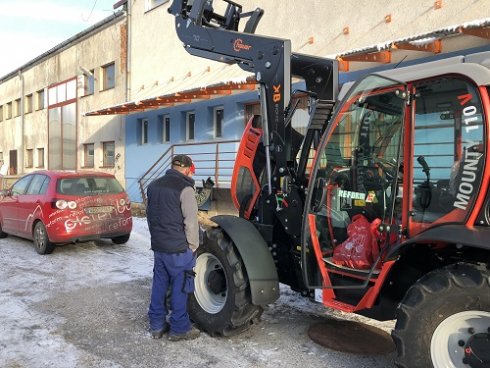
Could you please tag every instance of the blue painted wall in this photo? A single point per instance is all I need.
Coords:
(140, 157)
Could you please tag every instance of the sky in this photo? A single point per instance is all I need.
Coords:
(28, 28)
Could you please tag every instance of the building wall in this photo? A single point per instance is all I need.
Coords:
(159, 62)
(140, 157)
(90, 51)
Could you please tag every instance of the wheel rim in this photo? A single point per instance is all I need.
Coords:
(446, 349)
(209, 271)
(39, 236)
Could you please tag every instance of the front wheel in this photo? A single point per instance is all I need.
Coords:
(444, 320)
(2, 233)
(221, 304)
(123, 239)
(41, 240)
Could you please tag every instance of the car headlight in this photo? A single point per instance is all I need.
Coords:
(61, 204)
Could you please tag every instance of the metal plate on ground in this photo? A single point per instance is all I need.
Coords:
(351, 337)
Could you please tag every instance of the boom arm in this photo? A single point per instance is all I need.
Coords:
(213, 36)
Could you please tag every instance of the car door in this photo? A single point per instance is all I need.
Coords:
(12, 223)
(30, 204)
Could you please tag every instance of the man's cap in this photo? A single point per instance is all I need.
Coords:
(182, 161)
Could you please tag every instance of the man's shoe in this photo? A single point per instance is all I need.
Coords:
(192, 334)
(157, 334)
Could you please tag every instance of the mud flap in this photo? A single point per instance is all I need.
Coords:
(261, 269)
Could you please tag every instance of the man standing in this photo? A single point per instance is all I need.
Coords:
(174, 230)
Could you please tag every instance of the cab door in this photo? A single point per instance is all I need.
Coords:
(354, 186)
(448, 150)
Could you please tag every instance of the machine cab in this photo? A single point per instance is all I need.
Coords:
(399, 158)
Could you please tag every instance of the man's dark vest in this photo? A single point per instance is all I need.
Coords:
(164, 213)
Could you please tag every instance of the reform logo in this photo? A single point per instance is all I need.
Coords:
(239, 45)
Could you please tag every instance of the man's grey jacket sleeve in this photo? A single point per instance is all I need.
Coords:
(189, 211)
(202, 195)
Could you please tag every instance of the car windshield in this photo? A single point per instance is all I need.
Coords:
(88, 185)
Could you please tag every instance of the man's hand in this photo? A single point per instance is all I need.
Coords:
(208, 184)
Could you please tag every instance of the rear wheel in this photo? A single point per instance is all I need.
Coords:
(444, 320)
(41, 240)
(221, 303)
(2, 234)
(121, 239)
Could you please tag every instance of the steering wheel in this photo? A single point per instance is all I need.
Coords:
(388, 167)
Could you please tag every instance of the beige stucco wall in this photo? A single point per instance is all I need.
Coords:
(160, 63)
(90, 52)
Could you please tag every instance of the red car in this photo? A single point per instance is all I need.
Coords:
(52, 207)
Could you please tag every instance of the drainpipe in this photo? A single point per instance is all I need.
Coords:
(20, 156)
(128, 51)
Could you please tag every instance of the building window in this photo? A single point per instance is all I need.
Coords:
(108, 151)
(89, 83)
(218, 122)
(166, 128)
(40, 157)
(17, 108)
(9, 110)
(143, 131)
(88, 155)
(152, 4)
(29, 157)
(28, 104)
(108, 76)
(190, 122)
(1, 113)
(40, 104)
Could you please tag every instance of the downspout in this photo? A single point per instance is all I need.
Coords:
(20, 156)
(128, 54)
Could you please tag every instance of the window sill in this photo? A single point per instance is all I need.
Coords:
(86, 167)
(107, 167)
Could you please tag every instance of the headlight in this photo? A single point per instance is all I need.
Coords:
(61, 204)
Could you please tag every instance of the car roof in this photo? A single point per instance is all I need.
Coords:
(72, 174)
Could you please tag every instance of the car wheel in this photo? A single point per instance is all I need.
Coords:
(444, 320)
(41, 240)
(2, 234)
(121, 239)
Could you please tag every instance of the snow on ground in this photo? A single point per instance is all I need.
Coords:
(85, 306)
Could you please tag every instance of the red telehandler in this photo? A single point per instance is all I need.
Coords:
(382, 202)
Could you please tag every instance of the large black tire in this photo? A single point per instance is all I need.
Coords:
(221, 303)
(41, 240)
(437, 314)
(2, 234)
(123, 239)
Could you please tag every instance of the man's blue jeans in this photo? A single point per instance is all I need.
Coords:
(169, 271)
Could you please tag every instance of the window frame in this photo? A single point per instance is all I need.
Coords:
(188, 124)
(143, 131)
(217, 123)
(28, 104)
(108, 80)
(86, 155)
(106, 161)
(166, 122)
(29, 163)
(40, 157)
(40, 99)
